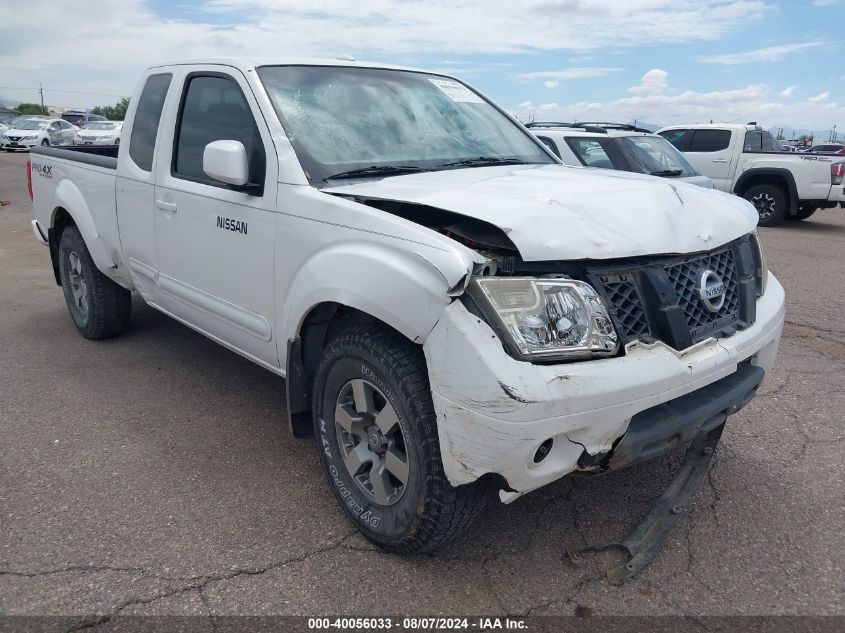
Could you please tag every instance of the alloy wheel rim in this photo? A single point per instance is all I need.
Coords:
(371, 442)
(764, 203)
(78, 285)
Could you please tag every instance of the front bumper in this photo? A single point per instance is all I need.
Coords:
(89, 141)
(19, 145)
(494, 412)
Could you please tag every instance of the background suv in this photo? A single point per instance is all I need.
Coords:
(617, 146)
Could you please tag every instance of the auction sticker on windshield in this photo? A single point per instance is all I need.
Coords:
(456, 91)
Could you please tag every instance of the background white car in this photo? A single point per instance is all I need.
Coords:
(617, 146)
(33, 132)
(99, 133)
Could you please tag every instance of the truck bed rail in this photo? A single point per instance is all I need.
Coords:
(101, 156)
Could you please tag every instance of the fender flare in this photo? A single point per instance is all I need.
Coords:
(400, 288)
(774, 172)
(68, 198)
(376, 279)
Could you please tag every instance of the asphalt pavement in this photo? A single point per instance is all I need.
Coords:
(154, 474)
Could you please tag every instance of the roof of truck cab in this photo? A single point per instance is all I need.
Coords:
(250, 63)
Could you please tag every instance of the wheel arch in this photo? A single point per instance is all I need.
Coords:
(69, 207)
(347, 282)
(782, 178)
(318, 327)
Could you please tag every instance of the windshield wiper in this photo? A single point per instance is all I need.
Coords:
(376, 170)
(483, 161)
(667, 173)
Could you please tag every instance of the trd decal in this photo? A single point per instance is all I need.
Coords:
(228, 224)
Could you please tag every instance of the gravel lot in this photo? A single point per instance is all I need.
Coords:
(154, 474)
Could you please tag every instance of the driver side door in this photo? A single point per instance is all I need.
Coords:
(216, 243)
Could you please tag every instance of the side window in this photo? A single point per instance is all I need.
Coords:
(550, 144)
(753, 142)
(147, 116)
(710, 140)
(679, 138)
(594, 152)
(214, 108)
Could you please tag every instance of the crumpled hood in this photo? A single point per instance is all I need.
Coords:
(561, 212)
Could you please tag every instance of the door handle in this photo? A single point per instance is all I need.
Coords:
(720, 160)
(163, 205)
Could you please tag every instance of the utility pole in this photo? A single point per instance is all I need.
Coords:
(41, 90)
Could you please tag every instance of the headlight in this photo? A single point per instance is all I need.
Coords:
(762, 270)
(546, 318)
(31, 137)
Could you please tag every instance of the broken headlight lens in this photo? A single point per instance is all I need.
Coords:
(547, 318)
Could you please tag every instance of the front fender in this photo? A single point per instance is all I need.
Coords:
(398, 287)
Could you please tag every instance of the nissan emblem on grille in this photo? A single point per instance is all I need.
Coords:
(711, 291)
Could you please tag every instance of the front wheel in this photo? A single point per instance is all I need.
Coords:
(45, 142)
(377, 439)
(98, 306)
(770, 203)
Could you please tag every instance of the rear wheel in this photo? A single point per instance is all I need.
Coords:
(770, 202)
(98, 306)
(377, 439)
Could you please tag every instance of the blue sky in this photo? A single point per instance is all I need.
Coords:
(660, 61)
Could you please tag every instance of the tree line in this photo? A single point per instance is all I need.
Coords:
(115, 112)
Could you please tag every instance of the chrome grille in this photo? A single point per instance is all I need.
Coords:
(685, 278)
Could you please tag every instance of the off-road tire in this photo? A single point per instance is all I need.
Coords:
(430, 511)
(803, 213)
(770, 202)
(108, 306)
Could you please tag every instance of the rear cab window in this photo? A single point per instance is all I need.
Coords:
(147, 117)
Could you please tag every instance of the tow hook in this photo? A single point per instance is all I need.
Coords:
(646, 541)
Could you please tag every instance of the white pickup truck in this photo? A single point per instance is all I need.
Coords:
(748, 161)
(455, 312)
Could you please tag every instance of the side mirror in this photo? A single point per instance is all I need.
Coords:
(226, 161)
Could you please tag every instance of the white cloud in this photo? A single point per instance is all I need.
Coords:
(788, 91)
(769, 54)
(551, 83)
(753, 102)
(106, 53)
(653, 82)
(568, 73)
(824, 3)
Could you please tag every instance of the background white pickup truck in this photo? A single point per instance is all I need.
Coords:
(748, 161)
(454, 311)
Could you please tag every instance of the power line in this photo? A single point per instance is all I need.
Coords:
(79, 92)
